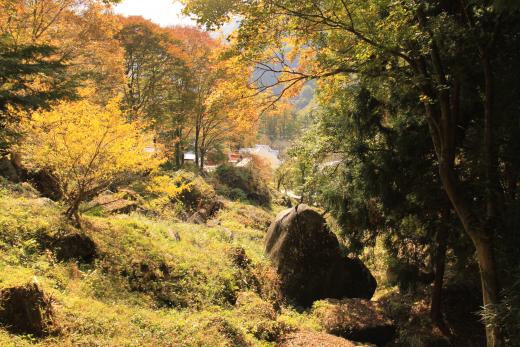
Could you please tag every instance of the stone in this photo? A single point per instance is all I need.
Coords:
(114, 204)
(174, 235)
(26, 310)
(196, 218)
(356, 320)
(308, 259)
(313, 339)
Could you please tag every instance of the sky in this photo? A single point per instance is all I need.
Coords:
(165, 13)
(162, 12)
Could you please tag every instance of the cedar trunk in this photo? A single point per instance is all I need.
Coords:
(439, 267)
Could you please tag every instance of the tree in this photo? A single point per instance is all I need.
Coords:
(29, 78)
(169, 77)
(80, 31)
(231, 111)
(449, 52)
(47, 49)
(85, 148)
(377, 175)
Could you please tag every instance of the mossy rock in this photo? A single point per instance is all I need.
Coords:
(309, 261)
(27, 310)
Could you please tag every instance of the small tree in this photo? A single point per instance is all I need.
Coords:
(86, 148)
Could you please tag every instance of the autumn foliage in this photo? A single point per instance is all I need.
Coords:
(86, 147)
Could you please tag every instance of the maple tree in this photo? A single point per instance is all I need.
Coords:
(81, 33)
(180, 79)
(82, 166)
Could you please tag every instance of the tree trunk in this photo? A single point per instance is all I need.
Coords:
(72, 212)
(439, 267)
(197, 136)
(442, 129)
(490, 288)
(202, 155)
(490, 153)
(483, 241)
(178, 149)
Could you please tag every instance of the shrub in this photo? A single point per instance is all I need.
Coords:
(246, 180)
(506, 315)
(113, 149)
(165, 190)
(181, 193)
(200, 193)
(237, 194)
(261, 317)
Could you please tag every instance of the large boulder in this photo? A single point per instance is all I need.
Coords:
(307, 257)
(356, 320)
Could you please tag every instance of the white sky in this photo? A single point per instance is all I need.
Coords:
(162, 12)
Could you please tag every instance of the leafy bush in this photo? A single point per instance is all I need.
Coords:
(200, 193)
(240, 180)
(237, 194)
(260, 317)
(180, 193)
(165, 190)
(506, 315)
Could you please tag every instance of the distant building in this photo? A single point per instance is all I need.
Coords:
(149, 149)
(189, 156)
(234, 157)
(265, 152)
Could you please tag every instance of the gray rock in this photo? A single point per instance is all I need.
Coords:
(309, 262)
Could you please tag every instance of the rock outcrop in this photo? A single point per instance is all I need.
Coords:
(26, 310)
(356, 320)
(307, 257)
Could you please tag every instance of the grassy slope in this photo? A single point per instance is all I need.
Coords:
(113, 302)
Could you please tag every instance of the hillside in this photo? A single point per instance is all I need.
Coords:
(151, 282)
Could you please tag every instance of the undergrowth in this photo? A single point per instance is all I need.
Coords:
(154, 282)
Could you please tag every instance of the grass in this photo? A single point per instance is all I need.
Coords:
(155, 282)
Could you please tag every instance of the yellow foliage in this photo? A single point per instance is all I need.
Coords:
(86, 147)
(169, 186)
(166, 189)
